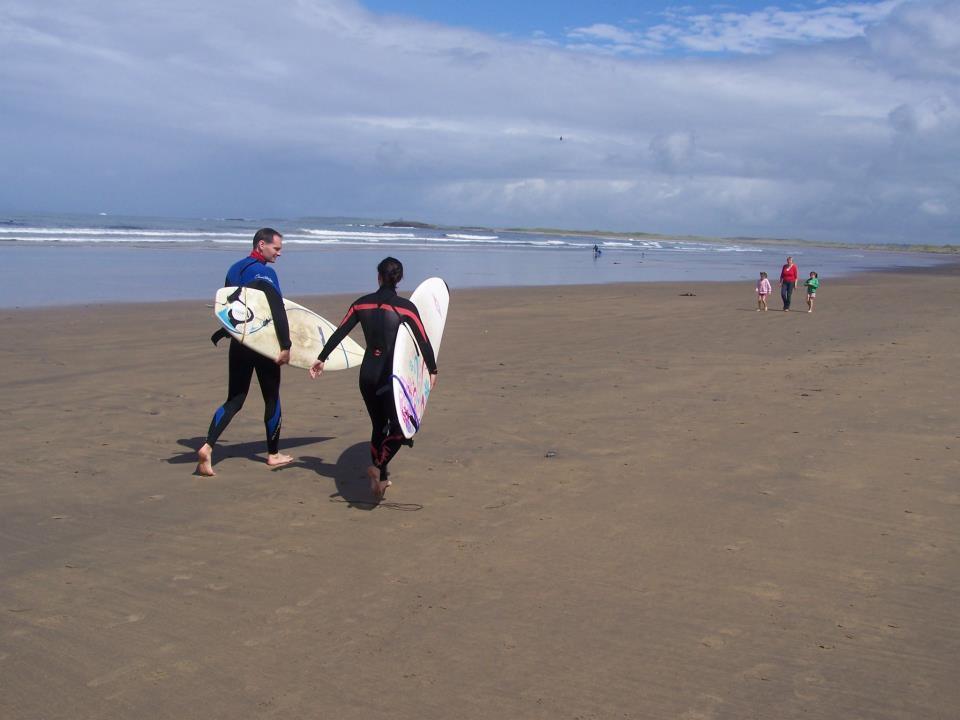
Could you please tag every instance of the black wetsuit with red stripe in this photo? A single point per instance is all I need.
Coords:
(380, 314)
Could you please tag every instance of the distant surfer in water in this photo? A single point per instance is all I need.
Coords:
(254, 271)
(380, 314)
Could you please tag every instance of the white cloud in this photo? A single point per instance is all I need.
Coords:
(319, 106)
(934, 207)
(602, 31)
(673, 151)
(924, 116)
(754, 32)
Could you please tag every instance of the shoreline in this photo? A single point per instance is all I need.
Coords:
(333, 258)
(946, 269)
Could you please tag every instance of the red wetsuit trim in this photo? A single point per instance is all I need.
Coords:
(399, 310)
(412, 316)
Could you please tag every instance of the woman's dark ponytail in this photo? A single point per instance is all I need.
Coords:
(391, 271)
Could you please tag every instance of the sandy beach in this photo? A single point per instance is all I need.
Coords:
(627, 501)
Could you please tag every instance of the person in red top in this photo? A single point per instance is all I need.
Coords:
(788, 281)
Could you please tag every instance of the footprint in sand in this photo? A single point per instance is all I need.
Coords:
(135, 617)
(50, 621)
(866, 580)
(285, 613)
(924, 550)
(916, 517)
(118, 674)
(736, 546)
(760, 671)
(705, 708)
(268, 553)
(720, 639)
(808, 687)
(765, 591)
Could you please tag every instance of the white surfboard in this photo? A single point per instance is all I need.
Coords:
(245, 314)
(411, 380)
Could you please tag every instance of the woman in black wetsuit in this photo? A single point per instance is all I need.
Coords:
(380, 314)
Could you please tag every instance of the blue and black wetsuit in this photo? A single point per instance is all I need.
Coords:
(253, 272)
(380, 314)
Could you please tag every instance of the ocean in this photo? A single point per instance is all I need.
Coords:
(88, 259)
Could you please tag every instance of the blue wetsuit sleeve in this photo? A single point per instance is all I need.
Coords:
(270, 275)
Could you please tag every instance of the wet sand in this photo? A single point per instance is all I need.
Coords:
(626, 502)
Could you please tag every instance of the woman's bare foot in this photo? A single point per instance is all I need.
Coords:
(205, 461)
(377, 486)
(279, 460)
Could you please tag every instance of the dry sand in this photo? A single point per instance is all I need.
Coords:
(747, 516)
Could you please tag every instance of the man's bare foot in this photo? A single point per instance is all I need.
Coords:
(279, 460)
(377, 486)
(205, 461)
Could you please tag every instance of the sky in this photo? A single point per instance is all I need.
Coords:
(817, 120)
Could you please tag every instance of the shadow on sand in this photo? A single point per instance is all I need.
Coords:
(250, 450)
(350, 479)
(348, 472)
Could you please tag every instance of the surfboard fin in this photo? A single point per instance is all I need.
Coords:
(219, 335)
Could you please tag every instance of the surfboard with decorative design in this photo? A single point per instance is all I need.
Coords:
(245, 314)
(411, 380)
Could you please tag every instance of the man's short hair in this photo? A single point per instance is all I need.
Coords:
(265, 234)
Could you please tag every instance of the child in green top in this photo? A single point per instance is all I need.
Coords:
(812, 284)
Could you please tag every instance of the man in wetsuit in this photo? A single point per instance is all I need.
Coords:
(254, 271)
(380, 314)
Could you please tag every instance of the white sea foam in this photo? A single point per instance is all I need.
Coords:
(464, 236)
(348, 235)
(353, 234)
(53, 233)
(465, 242)
(115, 240)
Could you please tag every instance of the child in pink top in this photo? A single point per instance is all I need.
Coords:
(763, 289)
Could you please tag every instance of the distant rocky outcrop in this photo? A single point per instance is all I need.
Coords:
(409, 224)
